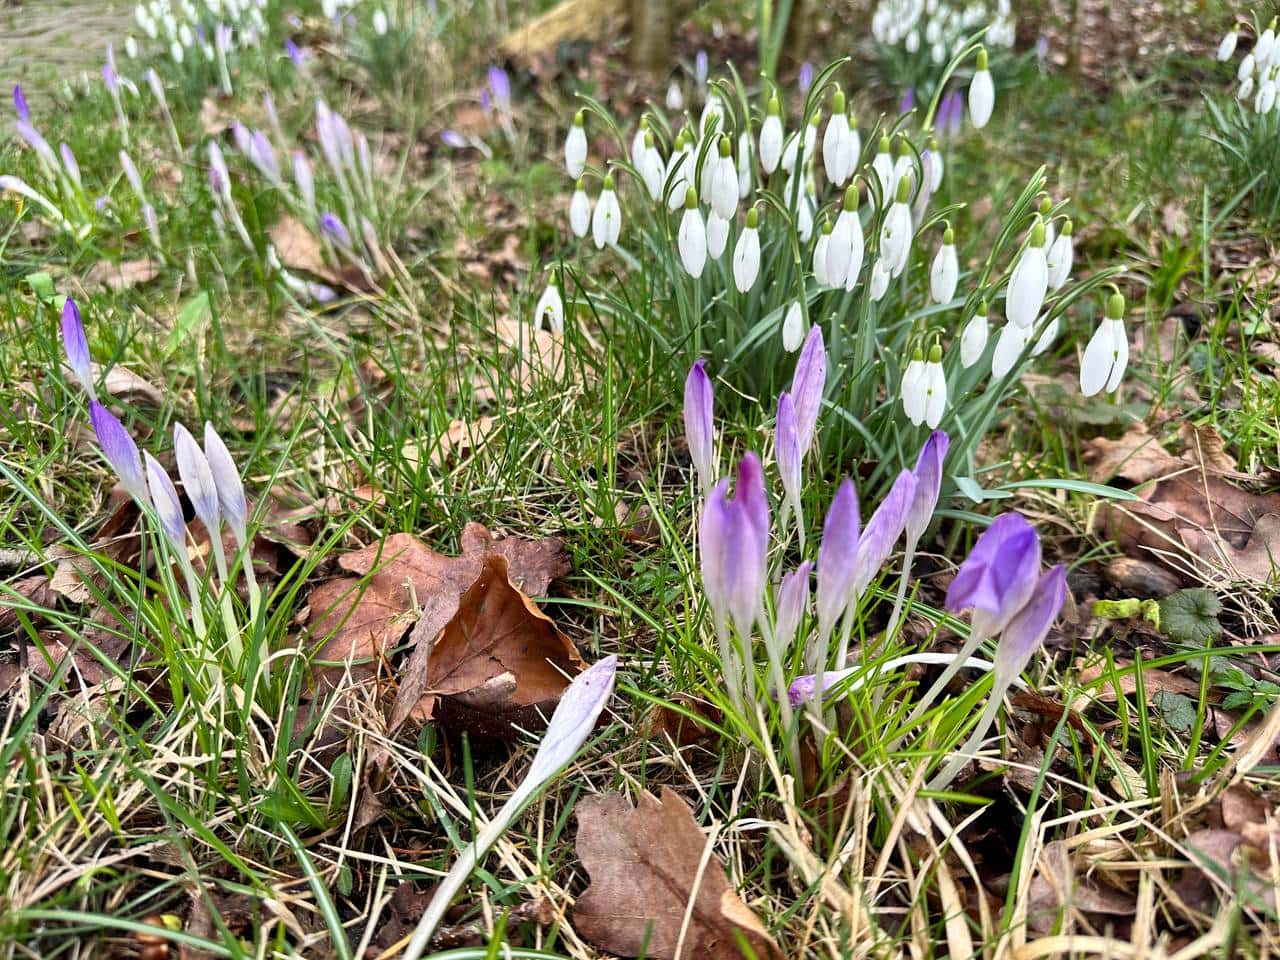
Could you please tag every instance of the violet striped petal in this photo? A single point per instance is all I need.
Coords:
(835, 556)
(882, 532)
(226, 477)
(119, 450)
(20, 104)
(807, 385)
(76, 346)
(746, 545)
(999, 574)
(1029, 626)
(712, 535)
(197, 478)
(168, 508)
(699, 426)
(790, 455)
(928, 473)
(792, 602)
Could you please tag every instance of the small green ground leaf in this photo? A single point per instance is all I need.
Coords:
(1191, 616)
(1177, 710)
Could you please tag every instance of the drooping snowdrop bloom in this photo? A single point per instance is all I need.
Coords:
(1265, 100)
(744, 165)
(914, 401)
(771, 137)
(793, 327)
(837, 143)
(1245, 70)
(680, 170)
(820, 249)
(895, 235)
(881, 274)
(982, 92)
(550, 309)
(1227, 47)
(675, 97)
(1061, 257)
(606, 219)
(380, 24)
(637, 142)
(717, 235)
(944, 274)
(1107, 354)
(651, 167)
(579, 211)
(1246, 90)
(935, 388)
(746, 254)
(1029, 281)
(1047, 336)
(692, 238)
(699, 425)
(882, 164)
(973, 340)
(575, 146)
(903, 165)
(853, 146)
(933, 165)
(724, 182)
(1011, 343)
(1265, 48)
(712, 118)
(845, 249)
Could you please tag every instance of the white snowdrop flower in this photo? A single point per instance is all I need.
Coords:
(680, 166)
(675, 97)
(809, 140)
(1266, 45)
(724, 182)
(904, 167)
(176, 52)
(692, 237)
(895, 234)
(882, 164)
(793, 327)
(912, 43)
(973, 340)
(1012, 341)
(853, 147)
(380, 22)
(1227, 47)
(1061, 257)
(575, 146)
(1266, 98)
(131, 47)
(651, 167)
(881, 274)
(932, 32)
(938, 53)
(845, 249)
(579, 211)
(746, 254)
(185, 36)
(771, 137)
(1107, 354)
(744, 165)
(1245, 70)
(789, 150)
(982, 92)
(837, 141)
(606, 219)
(717, 235)
(804, 211)
(933, 165)
(1246, 90)
(708, 172)
(820, 250)
(944, 273)
(1029, 281)
(712, 118)
(551, 309)
(914, 399)
(637, 142)
(1047, 336)
(209, 52)
(935, 388)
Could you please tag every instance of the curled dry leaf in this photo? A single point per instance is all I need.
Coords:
(647, 873)
(106, 275)
(1058, 885)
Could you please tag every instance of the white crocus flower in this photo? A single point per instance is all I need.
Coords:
(746, 254)
(724, 182)
(1227, 47)
(1029, 281)
(895, 235)
(820, 250)
(881, 274)
(579, 211)
(692, 238)
(1061, 257)
(1012, 341)
(914, 399)
(882, 164)
(717, 235)
(836, 142)
(944, 274)
(551, 309)
(935, 388)
(771, 137)
(1107, 354)
(973, 340)
(793, 328)
(606, 219)
(982, 92)
(651, 167)
(575, 146)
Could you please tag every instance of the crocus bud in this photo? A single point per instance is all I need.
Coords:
(331, 226)
(70, 165)
(789, 452)
(76, 346)
(914, 403)
(551, 309)
(1029, 281)
(982, 92)
(845, 250)
(1060, 258)
(119, 450)
(882, 532)
(944, 274)
(807, 385)
(973, 341)
(793, 327)
(792, 602)
(606, 219)
(197, 478)
(821, 249)
(20, 104)
(575, 146)
(699, 426)
(746, 254)
(1027, 629)
(712, 533)
(835, 556)
(998, 576)
(1107, 354)
(168, 508)
(746, 545)
(579, 211)
(692, 237)
(771, 137)
(226, 479)
(724, 182)
(928, 474)
(935, 388)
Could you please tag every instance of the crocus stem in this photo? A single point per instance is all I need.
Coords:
(235, 646)
(962, 756)
(121, 118)
(908, 557)
(785, 712)
(729, 666)
(970, 645)
(197, 607)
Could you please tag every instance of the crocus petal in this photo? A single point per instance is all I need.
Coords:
(165, 499)
(1000, 572)
(835, 556)
(790, 455)
(882, 532)
(226, 478)
(699, 425)
(928, 474)
(807, 384)
(76, 346)
(793, 601)
(1026, 630)
(712, 536)
(119, 449)
(573, 720)
(197, 478)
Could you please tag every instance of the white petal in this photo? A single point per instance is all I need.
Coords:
(935, 394)
(1120, 342)
(693, 243)
(793, 328)
(1060, 260)
(982, 98)
(944, 274)
(1047, 337)
(914, 403)
(579, 213)
(1027, 287)
(575, 151)
(820, 250)
(770, 143)
(1095, 365)
(717, 235)
(881, 273)
(973, 341)
(1012, 341)
(746, 260)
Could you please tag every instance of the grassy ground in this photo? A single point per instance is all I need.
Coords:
(142, 805)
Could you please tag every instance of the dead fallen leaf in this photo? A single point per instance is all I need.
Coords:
(1058, 885)
(120, 276)
(214, 120)
(1154, 680)
(299, 249)
(682, 729)
(123, 384)
(462, 437)
(646, 868)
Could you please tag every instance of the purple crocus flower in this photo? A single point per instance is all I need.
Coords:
(110, 79)
(793, 601)
(334, 228)
(486, 101)
(712, 533)
(302, 176)
(70, 165)
(700, 67)
(803, 689)
(789, 452)
(835, 556)
(226, 478)
(699, 427)
(37, 143)
(928, 473)
(295, 53)
(807, 384)
(263, 157)
(76, 346)
(806, 76)
(1026, 631)
(20, 104)
(197, 478)
(500, 86)
(169, 509)
(119, 450)
(746, 545)
(908, 101)
(243, 138)
(955, 121)
(882, 532)
(998, 576)
(452, 138)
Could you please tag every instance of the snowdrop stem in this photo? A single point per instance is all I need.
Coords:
(961, 757)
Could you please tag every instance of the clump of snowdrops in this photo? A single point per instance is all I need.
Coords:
(917, 38)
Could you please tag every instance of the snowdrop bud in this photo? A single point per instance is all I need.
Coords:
(1046, 208)
(606, 219)
(550, 308)
(197, 478)
(793, 327)
(724, 182)
(1061, 257)
(944, 274)
(575, 146)
(771, 137)
(882, 164)
(982, 93)
(380, 22)
(914, 398)
(820, 253)
(168, 507)
(1227, 47)
(579, 211)
(675, 98)
(746, 254)
(837, 141)
(881, 274)
(1245, 70)
(973, 340)
(692, 238)
(1029, 281)
(845, 250)
(119, 450)
(1107, 354)
(935, 388)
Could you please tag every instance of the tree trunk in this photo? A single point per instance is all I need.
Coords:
(651, 26)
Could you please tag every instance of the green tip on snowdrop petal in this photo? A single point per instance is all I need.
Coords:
(1115, 306)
